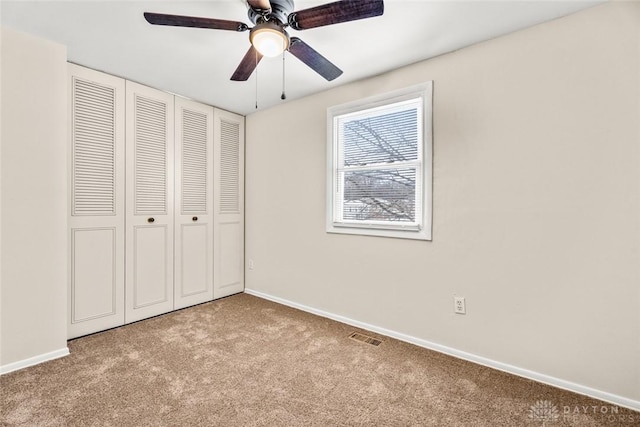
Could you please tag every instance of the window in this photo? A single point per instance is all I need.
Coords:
(379, 163)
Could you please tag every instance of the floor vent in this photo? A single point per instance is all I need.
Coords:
(365, 339)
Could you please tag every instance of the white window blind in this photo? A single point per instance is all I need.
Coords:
(377, 165)
(379, 162)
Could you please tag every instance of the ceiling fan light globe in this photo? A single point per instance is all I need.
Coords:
(270, 40)
(268, 45)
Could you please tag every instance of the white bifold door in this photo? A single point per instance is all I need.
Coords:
(96, 217)
(149, 207)
(229, 204)
(194, 203)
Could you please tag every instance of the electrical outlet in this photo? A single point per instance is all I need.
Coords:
(250, 264)
(459, 306)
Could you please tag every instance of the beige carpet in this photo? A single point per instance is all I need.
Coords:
(243, 361)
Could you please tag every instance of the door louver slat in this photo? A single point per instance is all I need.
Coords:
(93, 149)
(150, 156)
(229, 167)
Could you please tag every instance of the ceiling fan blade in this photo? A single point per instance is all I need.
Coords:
(260, 5)
(313, 59)
(335, 13)
(247, 65)
(194, 22)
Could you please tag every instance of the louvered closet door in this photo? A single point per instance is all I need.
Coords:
(228, 204)
(149, 226)
(194, 203)
(96, 222)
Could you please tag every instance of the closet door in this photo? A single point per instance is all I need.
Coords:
(194, 203)
(228, 204)
(149, 219)
(96, 221)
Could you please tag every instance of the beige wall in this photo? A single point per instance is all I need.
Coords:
(536, 205)
(33, 196)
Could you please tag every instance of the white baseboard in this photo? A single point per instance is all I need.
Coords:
(525, 373)
(36, 360)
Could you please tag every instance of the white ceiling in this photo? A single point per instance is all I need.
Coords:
(113, 36)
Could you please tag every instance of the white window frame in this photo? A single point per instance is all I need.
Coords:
(421, 229)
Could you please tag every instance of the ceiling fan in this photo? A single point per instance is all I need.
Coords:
(269, 36)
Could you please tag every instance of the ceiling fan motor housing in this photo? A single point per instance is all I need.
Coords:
(280, 10)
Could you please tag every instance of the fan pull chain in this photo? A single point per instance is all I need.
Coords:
(283, 96)
(256, 79)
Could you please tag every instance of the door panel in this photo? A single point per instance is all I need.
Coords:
(194, 203)
(231, 264)
(195, 254)
(94, 270)
(150, 250)
(149, 242)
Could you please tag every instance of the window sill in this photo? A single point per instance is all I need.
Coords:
(413, 234)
